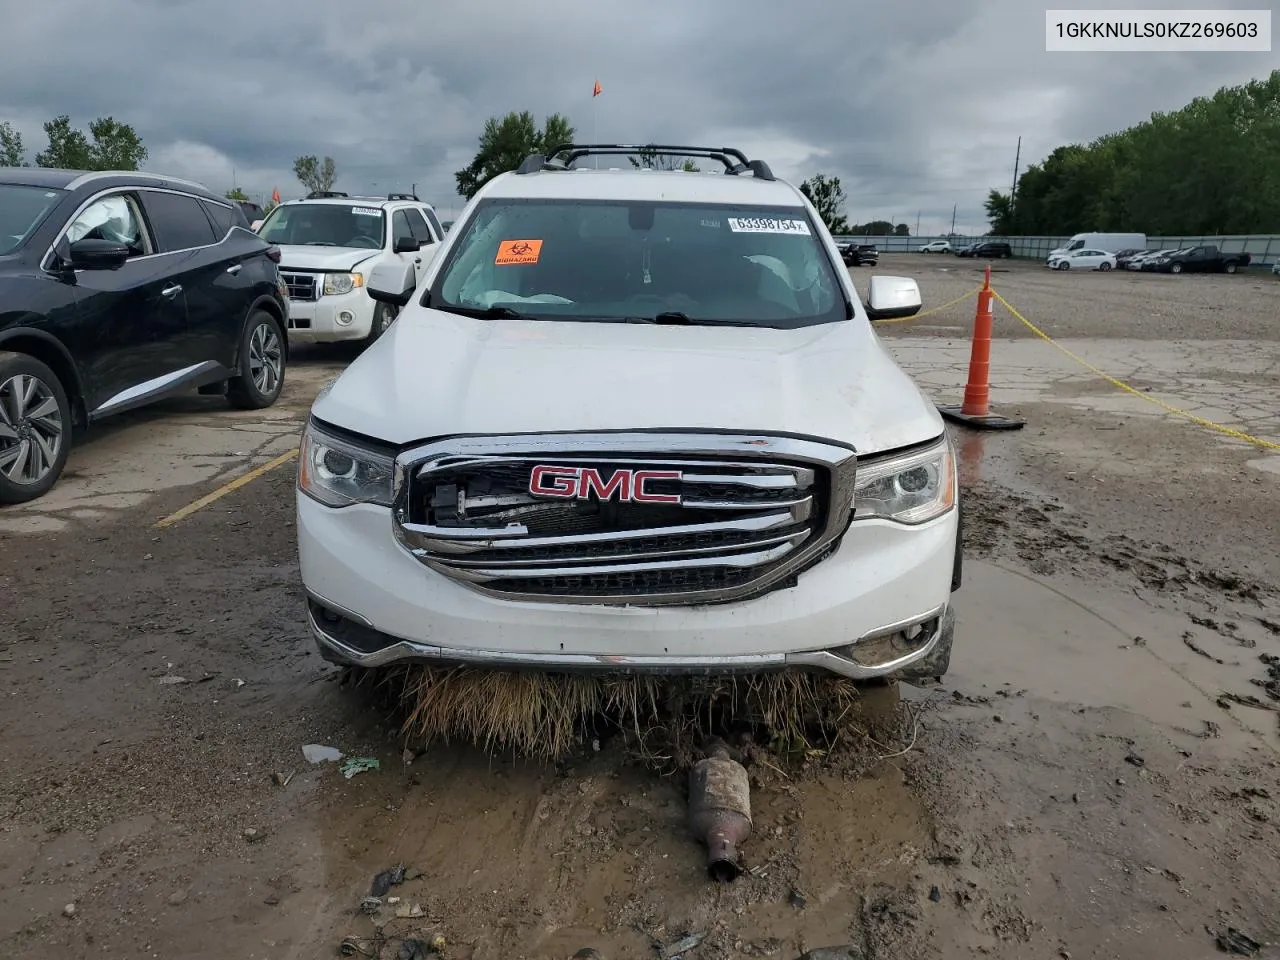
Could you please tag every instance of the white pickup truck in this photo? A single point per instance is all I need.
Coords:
(632, 420)
(330, 242)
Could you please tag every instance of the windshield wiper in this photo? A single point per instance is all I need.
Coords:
(496, 312)
(677, 318)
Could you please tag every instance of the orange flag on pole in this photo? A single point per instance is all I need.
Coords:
(275, 195)
(596, 90)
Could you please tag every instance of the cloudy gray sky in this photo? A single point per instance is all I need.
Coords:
(915, 104)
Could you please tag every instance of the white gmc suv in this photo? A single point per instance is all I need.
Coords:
(632, 420)
(330, 242)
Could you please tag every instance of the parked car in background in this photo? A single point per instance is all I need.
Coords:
(860, 254)
(1203, 259)
(1086, 259)
(118, 289)
(253, 212)
(1147, 260)
(1124, 256)
(936, 246)
(988, 250)
(1109, 242)
(330, 242)
(1275, 268)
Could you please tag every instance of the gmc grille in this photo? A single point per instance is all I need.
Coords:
(302, 286)
(715, 518)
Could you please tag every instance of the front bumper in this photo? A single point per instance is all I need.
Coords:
(870, 609)
(322, 320)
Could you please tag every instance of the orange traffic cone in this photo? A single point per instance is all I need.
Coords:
(975, 411)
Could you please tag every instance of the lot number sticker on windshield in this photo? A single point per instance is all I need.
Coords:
(518, 251)
(768, 225)
(366, 211)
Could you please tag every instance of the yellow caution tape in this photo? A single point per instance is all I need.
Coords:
(1115, 382)
(949, 303)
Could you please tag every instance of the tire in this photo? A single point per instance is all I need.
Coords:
(1175, 268)
(28, 387)
(1104, 266)
(1230, 268)
(1064, 265)
(384, 314)
(262, 361)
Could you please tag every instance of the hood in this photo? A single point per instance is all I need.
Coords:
(436, 374)
(338, 259)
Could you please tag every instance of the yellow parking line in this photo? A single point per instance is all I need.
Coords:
(226, 488)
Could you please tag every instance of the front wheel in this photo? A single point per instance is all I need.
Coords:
(262, 361)
(1175, 268)
(1064, 265)
(1104, 266)
(35, 428)
(1230, 268)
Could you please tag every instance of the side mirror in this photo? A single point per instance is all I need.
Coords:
(893, 298)
(406, 245)
(392, 283)
(98, 254)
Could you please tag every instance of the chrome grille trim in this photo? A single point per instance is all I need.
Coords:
(784, 502)
(302, 286)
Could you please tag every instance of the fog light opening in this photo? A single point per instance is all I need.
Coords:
(877, 651)
(345, 317)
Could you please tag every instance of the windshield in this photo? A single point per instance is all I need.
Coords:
(325, 225)
(637, 261)
(22, 208)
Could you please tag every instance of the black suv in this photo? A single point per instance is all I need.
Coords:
(117, 289)
(858, 254)
(988, 251)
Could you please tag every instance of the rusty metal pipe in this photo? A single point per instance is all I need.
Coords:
(720, 810)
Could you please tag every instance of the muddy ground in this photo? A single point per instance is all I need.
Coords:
(1097, 777)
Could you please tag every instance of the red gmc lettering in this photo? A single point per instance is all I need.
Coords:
(584, 483)
(563, 481)
(592, 484)
(641, 477)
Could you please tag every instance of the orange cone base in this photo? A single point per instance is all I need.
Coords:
(991, 421)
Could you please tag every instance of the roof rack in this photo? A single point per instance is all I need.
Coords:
(324, 194)
(403, 196)
(562, 157)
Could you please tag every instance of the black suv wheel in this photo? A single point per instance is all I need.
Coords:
(262, 362)
(35, 428)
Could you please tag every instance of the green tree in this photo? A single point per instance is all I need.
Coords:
(235, 193)
(114, 146)
(901, 230)
(1208, 168)
(318, 176)
(827, 197)
(68, 147)
(12, 151)
(662, 161)
(505, 143)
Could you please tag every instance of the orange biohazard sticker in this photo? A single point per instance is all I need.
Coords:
(518, 251)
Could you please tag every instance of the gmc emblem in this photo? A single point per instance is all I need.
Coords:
(584, 483)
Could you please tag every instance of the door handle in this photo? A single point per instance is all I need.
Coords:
(417, 259)
(234, 269)
(171, 292)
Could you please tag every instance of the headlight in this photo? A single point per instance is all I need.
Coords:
(336, 284)
(912, 489)
(339, 473)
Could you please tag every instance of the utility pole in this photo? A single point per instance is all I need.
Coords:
(953, 217)
(917, 223)
(1016, 158)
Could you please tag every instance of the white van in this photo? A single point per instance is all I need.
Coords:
(1110, 242)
